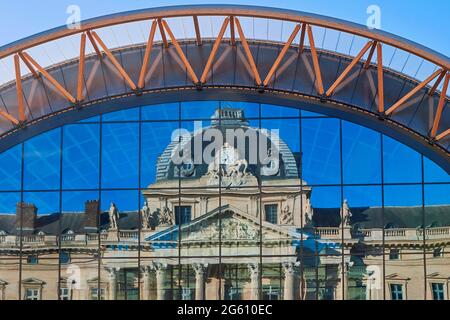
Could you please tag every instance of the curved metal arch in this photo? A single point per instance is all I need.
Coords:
(326, 87)
(229, 10)
(237, 94)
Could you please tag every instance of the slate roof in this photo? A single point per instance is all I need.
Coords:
(363, 217)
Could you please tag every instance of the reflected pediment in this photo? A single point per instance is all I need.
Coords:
(225, 224)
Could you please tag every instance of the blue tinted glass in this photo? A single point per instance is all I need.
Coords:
(361, 154)
(287, 130)
(125, 200)
(42, 161)
(433, 172)
(122, 115)
(321, 151)
(74, 201)
(11, 168)
(404, 195)
(199, 109)
(167, 111)
(45, 202)
(363, 196)
(307, 114)
(8, 201)
(438, 195)
(269, 111)
(81, 156)
(326, 197)
(120, 155)
(251, 110)
(401, 163)
(92, 119)
(155, 138)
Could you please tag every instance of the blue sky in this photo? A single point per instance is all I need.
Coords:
(416, 20)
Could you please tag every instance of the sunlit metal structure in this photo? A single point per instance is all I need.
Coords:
(240, 53)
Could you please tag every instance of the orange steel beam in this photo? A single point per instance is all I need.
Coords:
(315, 59)
(380, 77)
(114, 61)
(52, 80)
(370, 56)
(94, 45)
(81, 63)
(281, 55)
(214, 50)
(163, 34)
(443, 134)
(412, 92)
(440, 107)
(19, 88)
(301, 44)
(9, 117)
(349, 68)
(180, 52)
(197, 31)
(148, 51)
(232, 33)
(437, 83)
(29, 66)
(248, 52)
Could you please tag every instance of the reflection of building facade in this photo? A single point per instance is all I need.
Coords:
(230, 229)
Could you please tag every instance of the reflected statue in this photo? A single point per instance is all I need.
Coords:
(113, 217)
(346, 214)
(145, 216)
(166, 217)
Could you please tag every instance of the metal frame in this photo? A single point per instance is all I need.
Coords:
(231, 13)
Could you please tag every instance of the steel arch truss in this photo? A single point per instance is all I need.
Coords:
(264, 73)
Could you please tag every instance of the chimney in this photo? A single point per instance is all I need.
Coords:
(26, 215)
(91, 215)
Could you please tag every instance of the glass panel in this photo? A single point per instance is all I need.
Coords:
(434, 173)
(401, 164)
(199, 109)
(122, 115)
(11, 168)
(168, 111)
(42, 161)
(321, 151)
(81, 156)
(120, 155)
(361, 154)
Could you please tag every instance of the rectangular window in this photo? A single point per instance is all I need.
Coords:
(32, 259)
(394, 254)
(396, 291)
(94, 294)
(64, 294)
(271, 211)
(32, 294)
(437, 253)
(438, 291)
(182, 214)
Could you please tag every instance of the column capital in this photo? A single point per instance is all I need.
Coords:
(145, 270)
(158, 266)
(254, 269)
(200, 268)
(112, 271)
(290, 267)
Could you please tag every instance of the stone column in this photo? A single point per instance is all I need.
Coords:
(160, 269)
(112, 283)
(254, 270)
(200, 270)
(145, 283)
(289, 280)
(343, 283)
